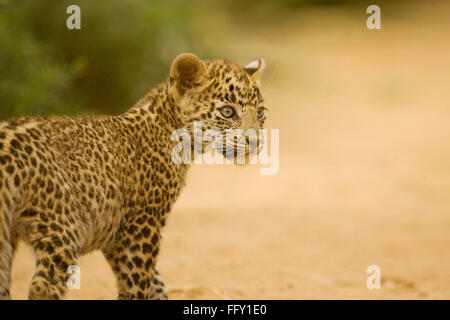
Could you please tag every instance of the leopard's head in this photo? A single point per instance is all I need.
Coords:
(225, 98)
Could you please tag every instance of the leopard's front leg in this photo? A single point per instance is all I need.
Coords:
(133, 257)
(158, 291)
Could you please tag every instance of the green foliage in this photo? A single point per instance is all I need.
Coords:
(286, 4)
(122, 50)
(31, 80)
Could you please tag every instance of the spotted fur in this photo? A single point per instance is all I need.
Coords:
(70, 185)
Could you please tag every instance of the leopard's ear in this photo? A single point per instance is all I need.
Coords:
(255, 68)
(187, 72)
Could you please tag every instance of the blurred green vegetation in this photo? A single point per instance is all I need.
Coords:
(286, 4)
(122, 50)
(31, 79)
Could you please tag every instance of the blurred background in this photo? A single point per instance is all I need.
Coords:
(364, 119)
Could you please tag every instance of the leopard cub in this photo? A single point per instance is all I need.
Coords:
(70, 185)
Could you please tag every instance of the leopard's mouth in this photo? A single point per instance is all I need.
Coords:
(241, 153)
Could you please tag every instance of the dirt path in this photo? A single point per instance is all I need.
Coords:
(364, 174)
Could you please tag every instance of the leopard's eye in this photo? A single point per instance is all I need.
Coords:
(227, 111)
(260, 112)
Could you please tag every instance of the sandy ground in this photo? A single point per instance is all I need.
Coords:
(364, 179)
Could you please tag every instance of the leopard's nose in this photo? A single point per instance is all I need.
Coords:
(250, 122)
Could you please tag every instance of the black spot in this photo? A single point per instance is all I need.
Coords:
(145, 232)
(135, 277)
(138, 262)
(68, 254)
(16, 144)
(148, 264)
(49, 248)
(42, 229)
(65, 239)
(56, 227)
(39, 245)
(28, 213)
(57, 259)
(135, 248)
(10, 169)
(130, 265)
(42, 170)
(126, 242)
(45, 262)
(146, 248)
(155, 239)
(129, 283)
(57, 241)
(50, 186)
(140, 220)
